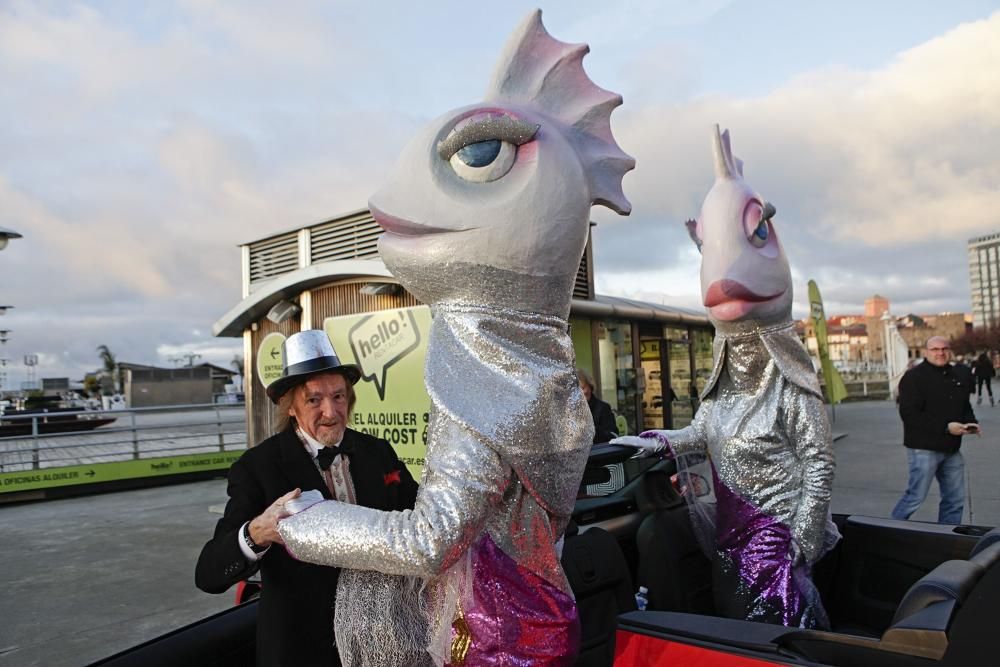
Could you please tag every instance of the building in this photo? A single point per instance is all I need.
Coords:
(856, 344)
(649, 361)
(876, 306)
(847, 341)
(152, 386)
(916, 329)
(984, 280)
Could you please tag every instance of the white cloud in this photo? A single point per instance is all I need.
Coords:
(137, 149)
(878, 177)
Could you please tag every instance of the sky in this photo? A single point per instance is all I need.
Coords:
(141, 143)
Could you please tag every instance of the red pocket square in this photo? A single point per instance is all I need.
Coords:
(391, 478)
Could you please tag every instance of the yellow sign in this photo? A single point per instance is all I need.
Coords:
(649, 350)
(269, 358)
(389, 346)
(30, 480)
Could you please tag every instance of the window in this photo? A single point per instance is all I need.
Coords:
(618, 379)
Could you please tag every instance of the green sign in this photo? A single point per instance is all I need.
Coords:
(389, 346)
(269, 358)
(47, 478)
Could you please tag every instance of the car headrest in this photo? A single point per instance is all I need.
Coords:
(987, 540)
(655, 492)
(986, 555)
(951, 580)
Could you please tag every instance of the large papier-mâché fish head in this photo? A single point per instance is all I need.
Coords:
(490, 203)
(744, 271)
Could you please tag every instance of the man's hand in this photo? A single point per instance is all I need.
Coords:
(264, 528)
(956, 428)
(973, 429)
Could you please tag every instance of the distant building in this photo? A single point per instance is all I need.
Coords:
(876, 305)
(984, 280)
(55, 384)
(152, 386)
(847, 342)
(916, 329)
(855, 342)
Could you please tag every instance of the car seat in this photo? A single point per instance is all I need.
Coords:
(672, 565)
(948, 616)
(971, 635)
(599, 577)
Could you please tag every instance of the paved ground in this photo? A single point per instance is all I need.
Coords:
(86, 577)
(871, 464)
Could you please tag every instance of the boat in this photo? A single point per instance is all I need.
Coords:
(64, 414)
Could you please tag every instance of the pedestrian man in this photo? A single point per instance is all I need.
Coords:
(934, 405)
(312, 449)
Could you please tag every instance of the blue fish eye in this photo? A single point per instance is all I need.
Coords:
(761, 231)
(480, 153)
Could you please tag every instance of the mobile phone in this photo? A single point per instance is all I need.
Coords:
(972, 428)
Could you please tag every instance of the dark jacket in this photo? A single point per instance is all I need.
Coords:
(604, 420)
(295, 617)
(983, 367)
(929, 398)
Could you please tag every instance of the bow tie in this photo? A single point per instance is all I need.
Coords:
(327, 454)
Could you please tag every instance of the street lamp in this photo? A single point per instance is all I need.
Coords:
(6, 235)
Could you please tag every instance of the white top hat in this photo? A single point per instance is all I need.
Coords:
(305, 354)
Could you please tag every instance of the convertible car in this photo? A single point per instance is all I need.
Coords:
(899, 593)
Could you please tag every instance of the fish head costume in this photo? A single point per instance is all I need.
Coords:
(744, 270)
(505, 187)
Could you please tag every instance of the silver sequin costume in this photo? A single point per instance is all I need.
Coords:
(764, 425)
(493, 247)
(508, 466)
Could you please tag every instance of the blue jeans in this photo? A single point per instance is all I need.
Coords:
(950, 472)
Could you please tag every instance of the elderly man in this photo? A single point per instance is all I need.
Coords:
(934, 405)
(312, 449)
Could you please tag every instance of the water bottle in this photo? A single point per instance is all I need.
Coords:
(641, 599)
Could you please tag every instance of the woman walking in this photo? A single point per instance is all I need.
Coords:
(984, 371)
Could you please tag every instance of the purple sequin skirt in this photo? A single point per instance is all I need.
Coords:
(753, 578)
(517, 617)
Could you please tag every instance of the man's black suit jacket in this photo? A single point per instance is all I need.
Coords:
(295, 617)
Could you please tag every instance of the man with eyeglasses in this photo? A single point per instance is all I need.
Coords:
(934, 405)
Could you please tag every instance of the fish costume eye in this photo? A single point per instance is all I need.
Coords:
(757, 222)
(483, 147)
(480, 153)
(484, 161)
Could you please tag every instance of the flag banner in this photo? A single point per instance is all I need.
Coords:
(835, 389)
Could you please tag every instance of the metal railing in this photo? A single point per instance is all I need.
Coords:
(134, 434)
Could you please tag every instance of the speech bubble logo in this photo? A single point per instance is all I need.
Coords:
(379, 341)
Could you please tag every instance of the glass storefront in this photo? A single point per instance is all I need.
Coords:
(679, 392)
(657, 385)
(653, 387)
(618, 376)
(652, 395)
